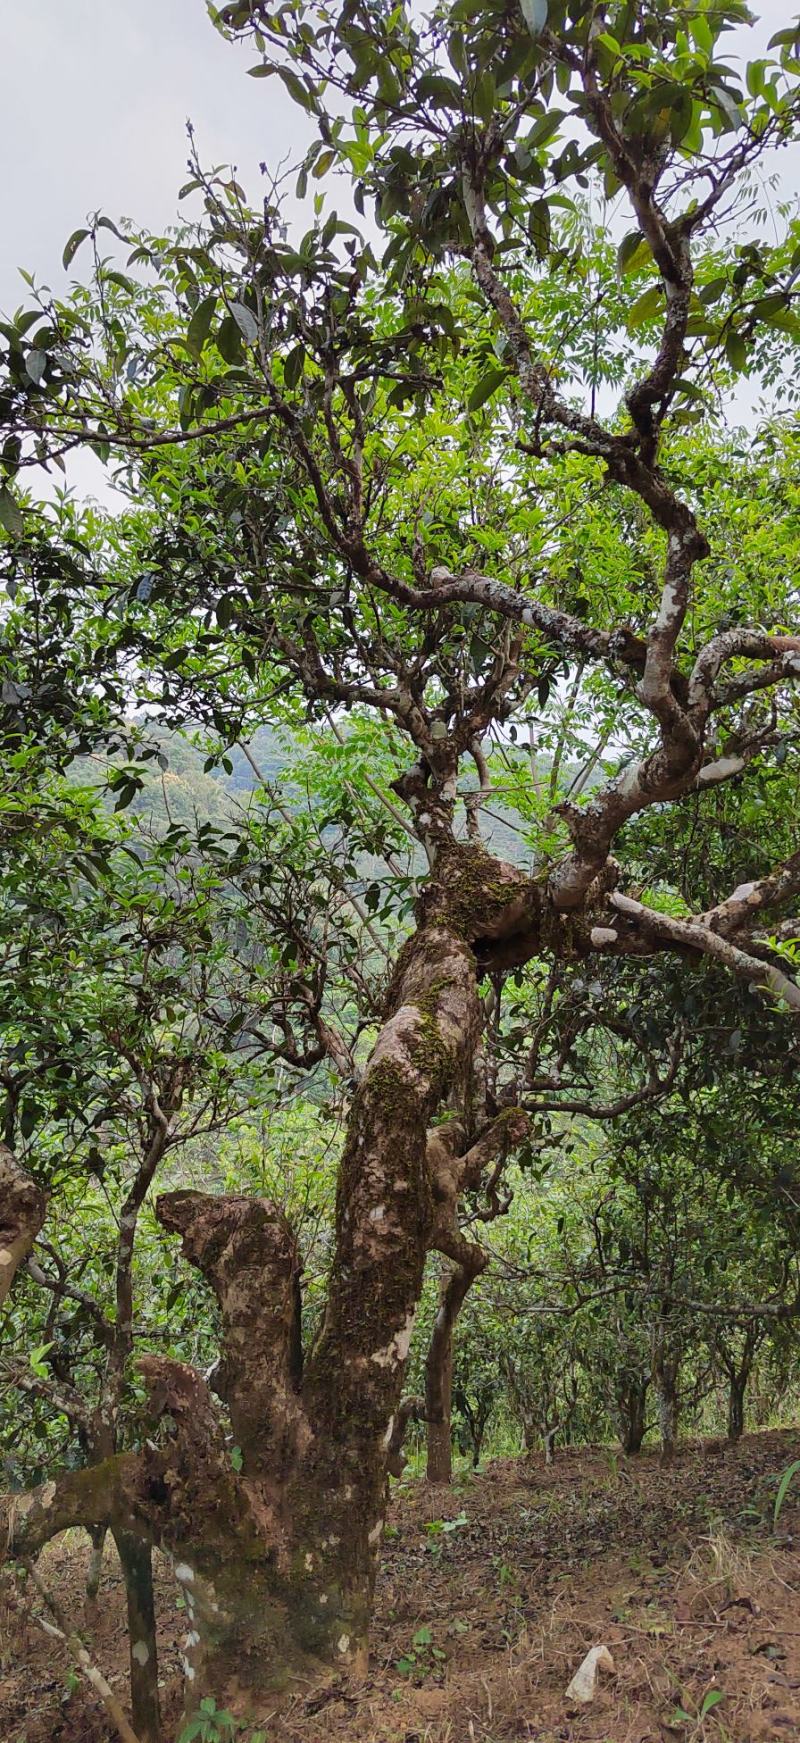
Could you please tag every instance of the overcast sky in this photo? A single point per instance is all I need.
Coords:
(94, 97)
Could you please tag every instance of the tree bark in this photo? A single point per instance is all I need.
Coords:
(22, 1212)
(287, 1549)
(275, 1540)
(632, 1407)
(665, 1379)
(439, 1391)
(97, 1537)
(456, 1282)
(439, 1439)
(737, 1387)
(136, 1560)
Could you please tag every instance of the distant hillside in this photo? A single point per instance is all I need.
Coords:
(185, 791)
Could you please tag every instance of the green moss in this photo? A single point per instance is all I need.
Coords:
(429, 1052)
(388, 1086)
(470, 893)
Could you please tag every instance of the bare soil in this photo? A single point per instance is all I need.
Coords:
(480, 1627)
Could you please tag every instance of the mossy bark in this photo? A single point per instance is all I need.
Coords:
(665, 1379)
(279, 1560)
(455, 1284)
(22, 1212)
(276, 1548)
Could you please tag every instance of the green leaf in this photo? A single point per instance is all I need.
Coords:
(193, 1729)
(293, 366)
(484, 389)
(785, 38)
(229, 341)
(646, 308)
(689, 389)
(545, 128)
(727, 103)
(35, 365)
(245, 321)
(457, 53)
(783, 1488)
(225, 609)
(442, 92)
(200, 324)
(712, 291)
(736, 350)
(633, 252)
(108, 224)
(539, 227)
(72, 246)
(608, 42)
(534, 13)
(10, 515)
(701, 31)
(296, 88)
(483, 96)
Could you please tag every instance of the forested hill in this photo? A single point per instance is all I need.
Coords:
(190, 791)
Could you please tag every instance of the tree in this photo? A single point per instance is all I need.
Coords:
(372, 486)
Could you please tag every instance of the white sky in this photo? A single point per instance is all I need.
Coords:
(94, 98)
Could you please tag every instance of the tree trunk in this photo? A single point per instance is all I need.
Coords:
(97, 1535)
(288, 1550)
(276, 1551)
(439, 1438)
(668, 1412)
(737, 1387)
(530, 1433)
(439, 1386)
(136, 1560)
(455, 1283)
(22, 1212)
(665, 1363)
(632, 1407)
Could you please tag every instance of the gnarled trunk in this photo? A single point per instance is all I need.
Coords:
(278, 1562)
(666, 1368)
(275, 1529)
(97, 1538)
(22, 1212)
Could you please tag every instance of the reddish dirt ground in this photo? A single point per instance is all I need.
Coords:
(480, 1627)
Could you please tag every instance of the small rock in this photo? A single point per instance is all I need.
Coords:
(584, 1683)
